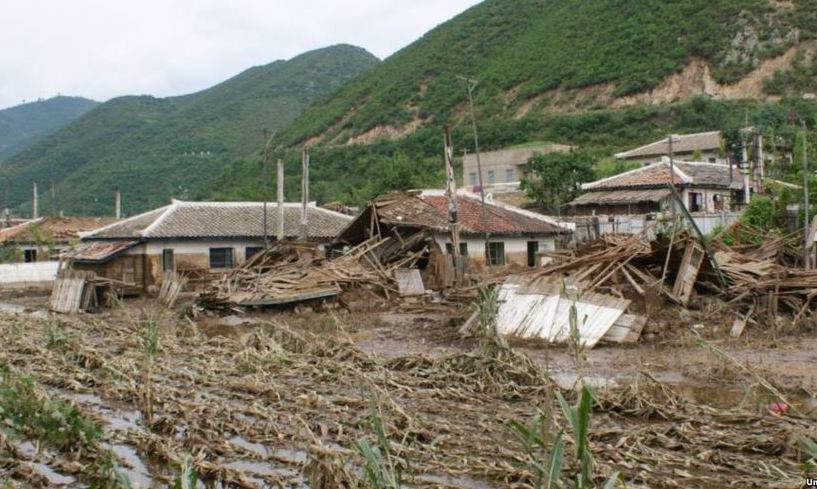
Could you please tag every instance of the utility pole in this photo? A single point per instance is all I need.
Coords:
(265, 183)
(304, 194)
(470, 85)
(118, 204)
(672, 173)
(451, 191)
(280, 182)
(806, 261)
(35, 210)
(53, 199)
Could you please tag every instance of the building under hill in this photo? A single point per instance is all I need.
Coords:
(703, 187)
(503, 169)
(194, 238)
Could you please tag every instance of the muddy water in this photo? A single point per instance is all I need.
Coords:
(6, 307)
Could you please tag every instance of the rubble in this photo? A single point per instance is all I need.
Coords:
(295, 272)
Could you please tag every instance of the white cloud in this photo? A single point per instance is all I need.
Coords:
(105, 48)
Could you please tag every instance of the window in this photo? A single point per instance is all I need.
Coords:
(496, 254)
(251, 251)
(509, 175)
(695, 202)
(221, 258)
(472, 179)
(713, 160)
(491, 177)
(167, 261)
(29, 256)
(449, 249)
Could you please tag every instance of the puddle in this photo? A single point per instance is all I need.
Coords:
(53, 477)
(18, 309)
(750, 399)
(256, 448)
(574, 381)
(451, 481)
(121, 420)
(27, 449)
(137, 472)
(92, 399)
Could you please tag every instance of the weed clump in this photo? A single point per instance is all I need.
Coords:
(27, 411)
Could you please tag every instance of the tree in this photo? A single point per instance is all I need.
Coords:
(553, 179)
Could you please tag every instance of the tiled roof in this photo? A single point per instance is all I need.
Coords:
(612, 197)
(683, 143)
(58, 229)
(658, 175)
(430, 209)
(223, 220)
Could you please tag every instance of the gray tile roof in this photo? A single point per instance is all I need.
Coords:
(613, 197)
(223, 220)
(683, 143)
(689, 173)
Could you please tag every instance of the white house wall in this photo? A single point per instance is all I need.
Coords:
(516, 248)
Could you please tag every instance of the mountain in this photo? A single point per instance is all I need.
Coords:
(25, 124)
(604, 73)
(156, 148)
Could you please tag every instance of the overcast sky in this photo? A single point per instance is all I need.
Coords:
(105, 48)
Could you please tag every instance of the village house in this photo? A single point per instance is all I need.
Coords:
(702, 146)
(194, 239)
(515, 236)
(503, 169)
(45, 238)
(702, 187)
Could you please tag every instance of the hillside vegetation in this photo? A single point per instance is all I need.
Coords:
(25, 124)
(154, 149)
(536, 62)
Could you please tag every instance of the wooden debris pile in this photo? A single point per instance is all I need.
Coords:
(756, 282)
(295, 272)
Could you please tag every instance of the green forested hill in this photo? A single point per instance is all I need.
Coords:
(25, 124)
(154, 149)
(547, 70)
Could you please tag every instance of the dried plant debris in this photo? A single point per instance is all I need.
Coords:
(286, 408)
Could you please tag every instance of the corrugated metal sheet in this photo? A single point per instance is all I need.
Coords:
(542, 310)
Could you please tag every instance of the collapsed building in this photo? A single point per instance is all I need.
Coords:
(496, 234)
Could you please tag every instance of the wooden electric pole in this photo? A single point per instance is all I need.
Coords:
(470, 85)
(265, 183)
(280, 183)
(304, 194)
(451, 191)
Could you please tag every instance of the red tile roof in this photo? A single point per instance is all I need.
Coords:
(430, 209)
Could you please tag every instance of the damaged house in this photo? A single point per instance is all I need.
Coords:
(43, 239)
(702, 187)
(194, 238)
(515, 236)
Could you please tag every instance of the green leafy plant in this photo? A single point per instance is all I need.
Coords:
(536, 437)
(554, 178)
(383, 469)
(811, 450)
(187, 478)
(24, 409)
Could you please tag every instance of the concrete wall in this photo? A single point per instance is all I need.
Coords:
(516, 249)
(501, 163)
(28, 275)
(708, 198)
(712, 156)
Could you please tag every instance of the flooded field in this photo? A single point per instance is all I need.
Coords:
(280, 400)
